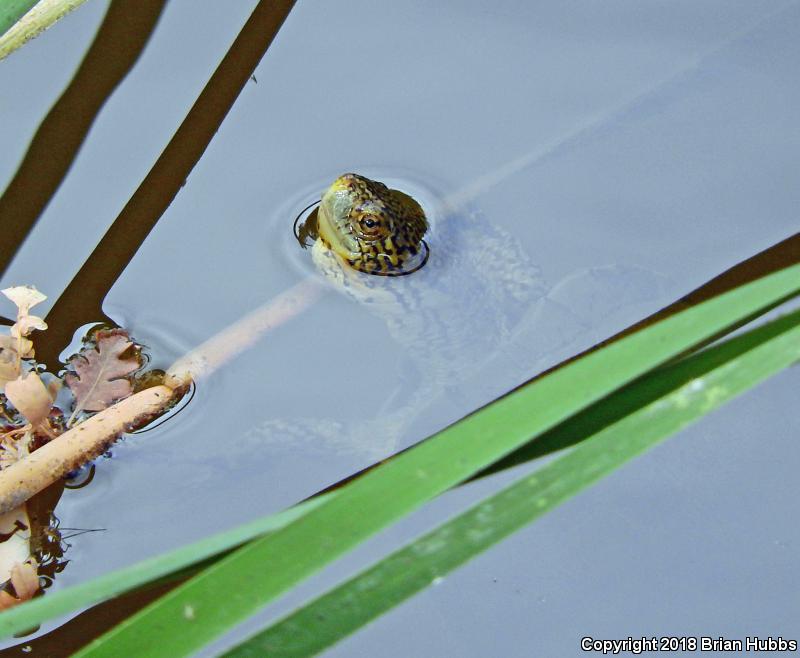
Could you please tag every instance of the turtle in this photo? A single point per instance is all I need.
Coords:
(456, 295)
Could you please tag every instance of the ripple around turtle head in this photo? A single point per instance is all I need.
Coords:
(300, 205)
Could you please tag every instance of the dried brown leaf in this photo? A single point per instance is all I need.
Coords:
(101, 372)
(30, 397)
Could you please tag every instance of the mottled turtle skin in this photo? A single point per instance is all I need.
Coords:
(374, 229)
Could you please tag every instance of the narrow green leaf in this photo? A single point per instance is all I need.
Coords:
(60, 602)
(11, 11)
(191, 615)
(667, 400)
(30, 24)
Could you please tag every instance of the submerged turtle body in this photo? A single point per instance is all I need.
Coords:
(449, 318)
(472, 323)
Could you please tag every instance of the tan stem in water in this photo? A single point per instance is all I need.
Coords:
(235, 339)
(91, 438)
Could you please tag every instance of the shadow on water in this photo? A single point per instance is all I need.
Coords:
(82, 300)
(117, 45)
(119, 42)
(76, 633)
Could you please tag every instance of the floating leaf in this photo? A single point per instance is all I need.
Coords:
(102, 371)
(30, 397)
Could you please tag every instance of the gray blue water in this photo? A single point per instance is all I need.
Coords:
(620, 154)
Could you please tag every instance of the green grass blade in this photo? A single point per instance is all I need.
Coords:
(11, 11)
(29, 615)
(667, 401)
(39, 18)
(189, 616)
(124, 580)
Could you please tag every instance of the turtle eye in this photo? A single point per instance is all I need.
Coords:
(370, 226)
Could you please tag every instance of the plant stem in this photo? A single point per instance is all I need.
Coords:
(54, 460)
(38, 19)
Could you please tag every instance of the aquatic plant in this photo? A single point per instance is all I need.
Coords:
(37, 445)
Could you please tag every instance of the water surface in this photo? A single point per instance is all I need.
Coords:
(619, 157)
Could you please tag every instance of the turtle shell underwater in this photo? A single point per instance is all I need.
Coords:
(446, 320)
(477, 320)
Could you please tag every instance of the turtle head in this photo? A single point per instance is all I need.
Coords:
(373, 228)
